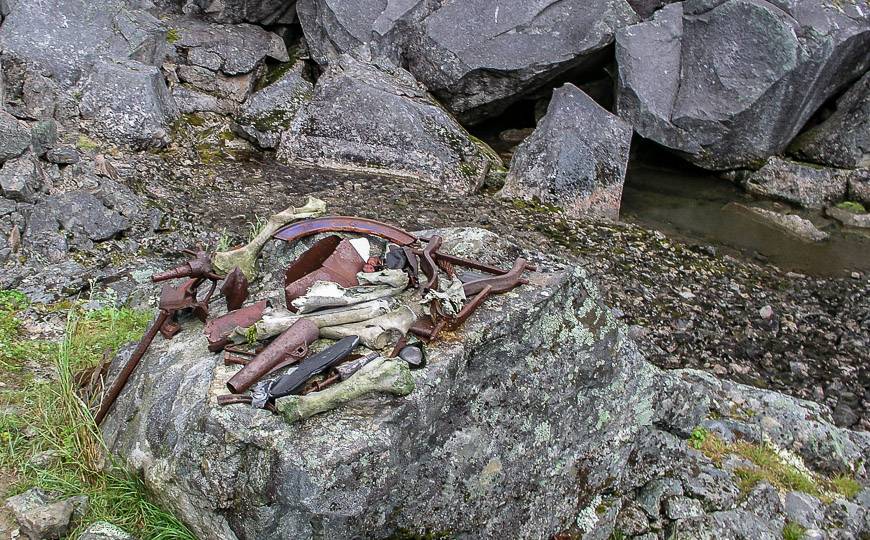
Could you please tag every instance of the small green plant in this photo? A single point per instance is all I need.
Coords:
(852, 206)
(224, 242)
(173, 35)
(254, 227)
(617, 534)
(792, 531)
(697, 438)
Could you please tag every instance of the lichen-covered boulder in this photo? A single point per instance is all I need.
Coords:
(575, 159)
(804, 184)
(513, 423)
(269, 111)
(129, 103)
(230, 49)
(843, 139)
(538, 417)
(728, 84)
(14, 137)
(374, 117)
(65, 37)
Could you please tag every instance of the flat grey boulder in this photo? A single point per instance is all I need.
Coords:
(269, 111)
(575, 159)
(375, 117)
(843, 139)
(73, 219)
(14, 136)
(229, 49)
(804, 184)
(730, 83)
(477, 57)
(68, 37)
(40, 517)
(791, 224)
(129, 103)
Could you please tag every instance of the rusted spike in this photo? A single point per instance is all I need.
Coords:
(326, 224)
(427, 263)
(198, 267)
(217, 330)
(287, 348)
(232, 399)
(470, 307)
(235, 289)
(231, 359)
(498, 284)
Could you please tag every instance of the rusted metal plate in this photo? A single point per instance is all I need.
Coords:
(330, 259)
(235, 289)
(327, 224)
(217, 330)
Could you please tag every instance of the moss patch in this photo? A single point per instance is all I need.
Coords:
(852, 206)
(173, 35)
(86, 143)
(792, 531)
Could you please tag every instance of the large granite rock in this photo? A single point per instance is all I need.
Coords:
(21, 178)
(539, 417)
(804, 184)
(375, 117)
(843, 139)
(269, 111)
(129, 103)
(575, 159)
(727, 84)
(476, 57)
(67, 37)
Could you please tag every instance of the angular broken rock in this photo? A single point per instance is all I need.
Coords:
(262, 12)
(575, 159)
(375, 117)
(843, 139)
(729, 83)
(849, 219)
(804, 184)
(39, 517)
(21, 178)
(66, 39)
(82, 215)
(14, 137)
(102, 530)
(476, 57)
(229, 49)
(129, 103)
(269, 111)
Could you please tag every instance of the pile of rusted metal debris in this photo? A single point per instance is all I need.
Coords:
(373, 293)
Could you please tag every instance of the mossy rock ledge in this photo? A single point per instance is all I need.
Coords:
(540, 416)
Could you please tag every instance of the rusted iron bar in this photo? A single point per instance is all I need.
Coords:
(499, 284)
(217, 330)
(198, 267)
(427, 262)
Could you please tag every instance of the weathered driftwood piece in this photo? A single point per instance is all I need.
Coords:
(246, 257)
(277, 320)
(376, 333)
(326, 294)
(381, 376)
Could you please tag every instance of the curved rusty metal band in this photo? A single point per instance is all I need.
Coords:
(326, 224)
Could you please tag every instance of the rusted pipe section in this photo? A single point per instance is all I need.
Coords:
(357, 225)
(198, 267)
(217, 330)
(289, 347)
(499, 284)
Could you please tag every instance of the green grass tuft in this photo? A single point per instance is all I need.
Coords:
(173, 35)
(852, 206)
(845, 485)
(46, 418)
(792, 531)
(86, 143)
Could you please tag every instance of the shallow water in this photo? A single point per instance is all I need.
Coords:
(690, 204)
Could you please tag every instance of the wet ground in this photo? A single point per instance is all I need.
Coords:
(691, 297)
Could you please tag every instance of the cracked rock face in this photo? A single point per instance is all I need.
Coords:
(375, 117)
(727, 84)
(575, 159)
